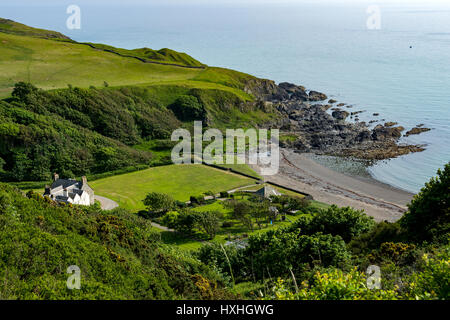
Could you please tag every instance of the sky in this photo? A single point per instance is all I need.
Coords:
(212, 2)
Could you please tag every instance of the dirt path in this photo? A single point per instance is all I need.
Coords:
(379, 200)
(105, 203)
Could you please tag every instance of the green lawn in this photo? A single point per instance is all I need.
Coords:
(180, 181)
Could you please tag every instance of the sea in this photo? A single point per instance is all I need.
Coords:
(391, 57)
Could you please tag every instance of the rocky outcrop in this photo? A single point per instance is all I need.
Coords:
(381, 133)
(340, 114)
(416, 130)
(317, 96)
(320, 132)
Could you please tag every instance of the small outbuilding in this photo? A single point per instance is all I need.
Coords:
(267, 192)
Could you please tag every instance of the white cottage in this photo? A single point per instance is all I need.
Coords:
(70, 191)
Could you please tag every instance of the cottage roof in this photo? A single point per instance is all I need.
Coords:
(65, 183)
(267, 191)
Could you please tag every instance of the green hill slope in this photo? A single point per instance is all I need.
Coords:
(96, 105)
(118, 253)
(50, 60)
(12, 27)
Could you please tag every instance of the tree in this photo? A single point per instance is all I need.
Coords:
(261, 212)
(188, 108)
(242, 211)
(159, 203)
(428, 217)
(288, 203)
(208, 222)
(185, 222)
(22, 90)
(345, 222)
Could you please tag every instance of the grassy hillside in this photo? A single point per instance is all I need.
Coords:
(50, 60)
(165, 55)
(179, 181)
(12, 27)
(53, 64)
(118, 253)
(90, 93)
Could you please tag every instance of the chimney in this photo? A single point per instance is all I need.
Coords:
(65, 193)
(84, 180)
(55, 176)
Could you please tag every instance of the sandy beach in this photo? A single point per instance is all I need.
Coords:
(377, 199)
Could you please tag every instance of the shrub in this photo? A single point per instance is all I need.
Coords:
(197, 200)
(187, 108)
(224, 194)
(159, 203)
(345, 222)
(333, 285)
(428, 217)
(380, 233)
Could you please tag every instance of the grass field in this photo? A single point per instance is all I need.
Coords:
(180, 181)
(51, 64)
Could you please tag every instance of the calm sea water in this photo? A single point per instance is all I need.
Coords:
(323, 47)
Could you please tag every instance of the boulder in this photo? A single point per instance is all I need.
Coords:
(416, 130)
(317, 96)
(340, 114)
(381, 133)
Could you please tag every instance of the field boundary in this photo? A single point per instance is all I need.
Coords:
(140, 59)
(307, 195)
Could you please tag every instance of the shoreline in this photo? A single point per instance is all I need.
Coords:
(377, 199)
(368, 179)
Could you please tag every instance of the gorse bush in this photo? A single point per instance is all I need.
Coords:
(119, 254)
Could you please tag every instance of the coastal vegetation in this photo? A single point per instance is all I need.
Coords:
(187, 231)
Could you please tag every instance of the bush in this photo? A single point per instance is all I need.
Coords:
(158, 203)
(345, 222)
(434, 281)
(224, 194)
(428, 217)
(118, 252)
(279, 251)
(170, 219)
(208, 222)
(382, 232)
(187, 108)
(333, 285)
(197, 200)
(213, 255)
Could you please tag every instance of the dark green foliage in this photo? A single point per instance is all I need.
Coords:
(185, 222)
(36, 140)
(127, 114)
(158, 204)
(22, 90)
(188, 108)
(428, 217)
(224, 194)
(119, 254)
(276, 252)
(197, 200)
(208, 222)
(345, 222)
(382, 232)
(213, 255)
